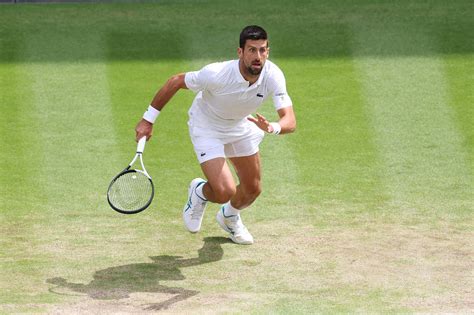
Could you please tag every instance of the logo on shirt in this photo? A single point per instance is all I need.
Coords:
(281, 96)
(259, 94)
(204, 153)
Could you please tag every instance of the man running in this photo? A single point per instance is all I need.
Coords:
(221, 127)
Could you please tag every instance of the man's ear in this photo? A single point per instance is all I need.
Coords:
(240, 51)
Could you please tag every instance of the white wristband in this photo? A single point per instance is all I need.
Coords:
(151, 114)
(276, 128)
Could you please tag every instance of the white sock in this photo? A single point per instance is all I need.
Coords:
(229, 210)
(199, 192)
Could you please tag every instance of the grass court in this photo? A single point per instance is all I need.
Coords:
(368, 207)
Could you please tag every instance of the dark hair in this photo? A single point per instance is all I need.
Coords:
(254, 32)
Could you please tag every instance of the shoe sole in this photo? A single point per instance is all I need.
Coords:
(240, 243)
(225, 228)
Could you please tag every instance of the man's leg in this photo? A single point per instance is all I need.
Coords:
(220, 186)
(228, 217)
(248, 169)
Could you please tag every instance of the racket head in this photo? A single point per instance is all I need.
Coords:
(130, 192)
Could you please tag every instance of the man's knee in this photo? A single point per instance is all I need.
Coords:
(253, 191)
(223, 194)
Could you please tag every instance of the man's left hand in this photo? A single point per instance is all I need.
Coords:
(261, 123)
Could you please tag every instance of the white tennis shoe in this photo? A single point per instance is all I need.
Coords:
(193, 211)
(234, 226)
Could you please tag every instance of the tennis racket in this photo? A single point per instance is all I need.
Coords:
(132, 190)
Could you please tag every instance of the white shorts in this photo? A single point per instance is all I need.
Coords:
(208, 148)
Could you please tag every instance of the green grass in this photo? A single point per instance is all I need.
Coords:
(368, 207)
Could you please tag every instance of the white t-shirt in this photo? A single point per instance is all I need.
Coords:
(224, 98)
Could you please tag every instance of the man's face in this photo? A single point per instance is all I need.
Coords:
(253, 55)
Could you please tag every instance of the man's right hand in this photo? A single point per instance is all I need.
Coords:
(143, 128)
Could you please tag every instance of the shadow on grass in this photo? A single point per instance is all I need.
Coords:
(119, 282)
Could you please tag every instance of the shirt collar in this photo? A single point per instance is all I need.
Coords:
(262, 74)
(240, 77)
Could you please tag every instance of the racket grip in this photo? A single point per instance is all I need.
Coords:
(141, 144)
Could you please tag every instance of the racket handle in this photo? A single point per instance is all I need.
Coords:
(141, 144)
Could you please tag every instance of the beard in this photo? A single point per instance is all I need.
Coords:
(253, 71)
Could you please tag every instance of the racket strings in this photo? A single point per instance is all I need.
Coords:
(131, 191)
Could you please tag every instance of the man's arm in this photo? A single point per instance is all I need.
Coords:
(287, 121)
(176, 82)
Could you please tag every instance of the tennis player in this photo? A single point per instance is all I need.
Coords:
(221, 127)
